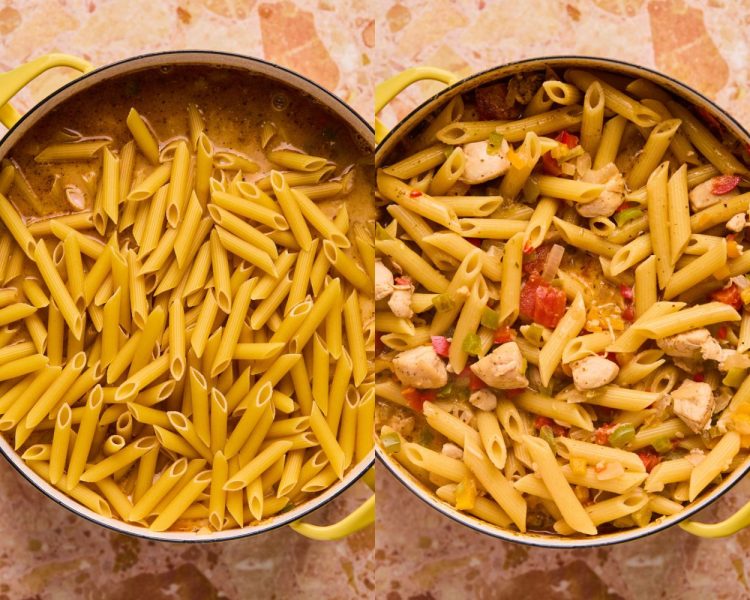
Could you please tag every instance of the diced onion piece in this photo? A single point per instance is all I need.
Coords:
(552, 264)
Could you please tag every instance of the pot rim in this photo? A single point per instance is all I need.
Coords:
(317, 93)
(390, 141)
(603, 63)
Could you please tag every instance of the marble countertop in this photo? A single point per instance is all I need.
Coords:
(45, 551)
(704, 43)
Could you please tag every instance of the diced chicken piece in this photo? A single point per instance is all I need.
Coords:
(702, 197)
(612, 196)
(452, 451)
(695, 345)
(503, 368)
(400, 300)
(481, 166)
(402, 425)
(593, 372)
(695, 456)
(383, 281)
(737, 222)
(484, 399)
(693, 402)
(685, 345)
(420, 367)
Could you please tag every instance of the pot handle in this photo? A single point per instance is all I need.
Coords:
(360, 518)
(390, 88)
(730, 526)
(14, 81)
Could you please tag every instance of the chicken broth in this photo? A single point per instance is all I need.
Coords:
(561, 303)
(185, 268)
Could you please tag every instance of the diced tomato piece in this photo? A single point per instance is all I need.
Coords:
(628, 314)
(601, 435)
(626, 292)
(416, 398)
(402, 281)
(699, 377)
(504, 334)
(441, 345)
(550, 166)
(728, 295)
(722, 332)
(570, 140)
(415, 194)
(474, 241)
(528, 248)
(534, 260)
(541, 303)
(723, 184)
(475, 383)
(649, 458)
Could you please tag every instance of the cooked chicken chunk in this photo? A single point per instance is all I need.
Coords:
(593, 372)
(383, 281)
(402, 425)
(688, 344)
(400, 300)
(420, 368)
(612, 196)
(695, 345)
(693, 402)
(484, 399)
(701, 196)
(452, 451)
(737, 223)
(503, 368)
(481, 166)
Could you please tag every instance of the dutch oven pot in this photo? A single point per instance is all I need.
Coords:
(12, 82)
(389, 140)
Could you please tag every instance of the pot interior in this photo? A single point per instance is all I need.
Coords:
(392, 148)
(232, 82)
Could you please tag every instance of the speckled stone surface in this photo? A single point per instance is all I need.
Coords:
(45, 551)
(420, 553)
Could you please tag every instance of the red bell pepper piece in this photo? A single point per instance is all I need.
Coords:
(504, 334)
(570, 140)
(723, 184)
(728, 295)
(441, 345)
(649, 458)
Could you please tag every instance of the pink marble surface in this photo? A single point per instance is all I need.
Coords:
(45, 551)
(421, 554)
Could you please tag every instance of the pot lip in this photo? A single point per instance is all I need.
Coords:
(467, 520)
(186, 537)
(602, 62)
(219, 54)
(560, 542)
(339, 107)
